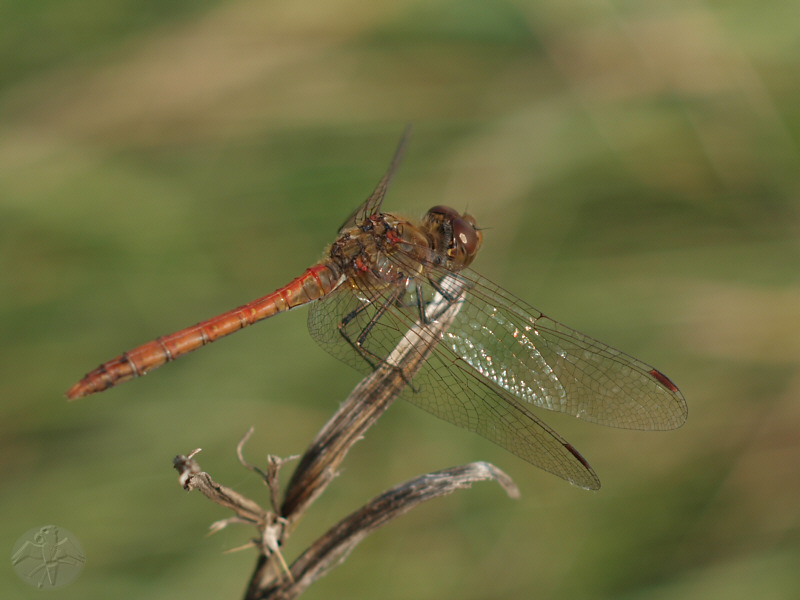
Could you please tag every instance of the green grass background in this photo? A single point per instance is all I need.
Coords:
(635, 165)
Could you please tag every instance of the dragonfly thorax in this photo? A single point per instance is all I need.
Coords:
(385, 248)
(363, 253)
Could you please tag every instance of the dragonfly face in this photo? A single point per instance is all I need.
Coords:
(454, 235)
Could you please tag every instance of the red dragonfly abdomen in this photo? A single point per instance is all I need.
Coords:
(314, 283)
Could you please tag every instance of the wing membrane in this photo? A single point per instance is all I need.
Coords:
(499, 358)
(445, 386)
(555, 367)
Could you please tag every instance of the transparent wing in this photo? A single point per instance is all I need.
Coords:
(444, 386)
(372, 204)
(498, 359)
(555, 367)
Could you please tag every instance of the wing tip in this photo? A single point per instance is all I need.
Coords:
(667, 384)
(590, 483)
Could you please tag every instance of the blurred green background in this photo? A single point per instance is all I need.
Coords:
(635, 165)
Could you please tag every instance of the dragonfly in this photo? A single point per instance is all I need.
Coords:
(497, 361)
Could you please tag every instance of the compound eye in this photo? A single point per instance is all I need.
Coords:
(444, 211)
(466, 237)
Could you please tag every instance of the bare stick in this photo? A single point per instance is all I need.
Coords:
(332, 548)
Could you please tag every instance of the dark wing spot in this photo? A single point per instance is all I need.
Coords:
(663, 380)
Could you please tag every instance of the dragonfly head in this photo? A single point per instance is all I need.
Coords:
(454, 235)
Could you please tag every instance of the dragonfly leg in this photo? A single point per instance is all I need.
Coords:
(359, 343)
(449, 298)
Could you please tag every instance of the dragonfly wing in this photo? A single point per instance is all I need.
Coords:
(445, 385)
(518, 349)
(547, 364)
(453, 391)
(372, 204)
